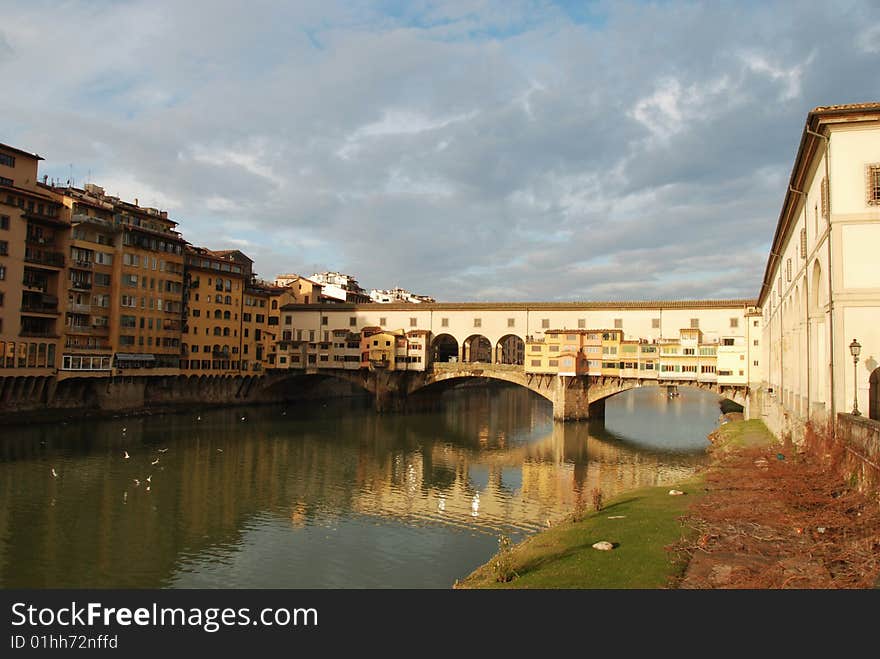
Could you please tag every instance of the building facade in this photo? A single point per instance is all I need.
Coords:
(33, 237)
(821, 286)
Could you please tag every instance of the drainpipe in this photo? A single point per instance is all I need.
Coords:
(830, 280)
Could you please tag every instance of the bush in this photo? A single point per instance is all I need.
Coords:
(502, 564)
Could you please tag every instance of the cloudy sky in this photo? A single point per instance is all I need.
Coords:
(469, 150)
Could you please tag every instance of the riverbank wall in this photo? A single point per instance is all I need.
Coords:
(45, 399)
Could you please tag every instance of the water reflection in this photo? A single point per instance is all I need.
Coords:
(321, 496)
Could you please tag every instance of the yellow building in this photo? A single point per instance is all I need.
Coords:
(213, 333)
(124, 285)
(33, 235)
(611, 341)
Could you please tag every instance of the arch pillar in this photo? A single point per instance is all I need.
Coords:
(571, 399)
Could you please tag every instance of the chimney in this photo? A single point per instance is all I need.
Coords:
(135, 201)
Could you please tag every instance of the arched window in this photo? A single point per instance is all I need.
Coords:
(227, 315)
(274, 304)
(216, 331)
(225, 331)
(228, 299)
(217, 314)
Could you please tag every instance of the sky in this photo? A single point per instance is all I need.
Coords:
(467, 150)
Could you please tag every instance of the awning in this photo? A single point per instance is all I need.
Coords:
(122, 356)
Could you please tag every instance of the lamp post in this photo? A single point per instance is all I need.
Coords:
(854, 349)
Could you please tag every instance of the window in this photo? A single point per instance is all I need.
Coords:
(413, 322)
(582, 323)
(788, 270)
(618, 323)
(352, 321)
(288, 320)
(553, 362)
(655, 323)
(2, 272)
(6, 159)
(4, 247)
(536, 362)
(478, 322)
(727, 342)
(444, 322)
(755, 363)
(873, 175)
(383, 321)
(325, 320)
(688, 351)
(554, 348)
(754, 323)
(7, 181)
(803, 243)
(511, 322)
(536, 348)
(755, 342)
(4, 222)
(695, 323)
(545, 323)
(734, 322)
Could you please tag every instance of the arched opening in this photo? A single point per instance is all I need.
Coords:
(444, 348)
(510, 349)
(874, 395)
(816, 290)
(477, 348)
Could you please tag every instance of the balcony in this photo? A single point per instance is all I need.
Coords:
(81, 265)
(81, 285)
(34, 214)
(44, 257)
(40, 308)
(92, 330)
(38, 332)
(45, 243)
(35, 285)
(79, 308)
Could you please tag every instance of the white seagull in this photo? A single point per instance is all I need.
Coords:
(198, 418)
(54, 473)
(125, 455)
(136, 482)
(150, 478)
(162, 450)
(154, 462)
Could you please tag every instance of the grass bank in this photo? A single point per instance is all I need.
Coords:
(640, 525)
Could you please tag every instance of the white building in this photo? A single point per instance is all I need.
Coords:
(821, 287)
(339, 287)
(383, 296)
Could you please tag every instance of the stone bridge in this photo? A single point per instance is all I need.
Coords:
(573, 398)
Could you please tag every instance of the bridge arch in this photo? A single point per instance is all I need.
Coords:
(510, 349)
(444, 348)
(477, 348)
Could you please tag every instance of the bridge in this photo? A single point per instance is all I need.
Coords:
(574, 398)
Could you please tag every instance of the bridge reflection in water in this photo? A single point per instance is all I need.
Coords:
(334, 496)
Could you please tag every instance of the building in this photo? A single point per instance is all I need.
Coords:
(33, 239)
(213, 329)
(303, 289)
(339, 287)
(382, 296)
(125, 274)
(821, 286)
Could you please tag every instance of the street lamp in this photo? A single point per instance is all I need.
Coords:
(854, 349)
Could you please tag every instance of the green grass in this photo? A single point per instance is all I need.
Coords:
(742, 434)
(563, 556)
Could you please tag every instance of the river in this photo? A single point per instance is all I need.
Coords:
(320, 495)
